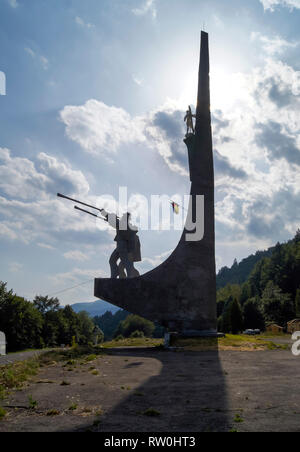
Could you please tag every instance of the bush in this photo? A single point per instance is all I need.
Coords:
(135, 323)
(137, 333)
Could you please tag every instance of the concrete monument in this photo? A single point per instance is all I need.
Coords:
(180, 294)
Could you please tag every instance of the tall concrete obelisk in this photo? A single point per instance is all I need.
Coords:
(180, 294)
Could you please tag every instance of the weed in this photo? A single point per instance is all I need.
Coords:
(73, 407)
(151, 412)
(2, 413)
(32, 403)
(90, 358)
(13, 376)
(238, 419)
(53, 413)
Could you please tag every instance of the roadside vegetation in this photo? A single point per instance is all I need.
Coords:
(230, 342)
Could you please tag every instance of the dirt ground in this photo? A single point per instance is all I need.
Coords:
(150, 390)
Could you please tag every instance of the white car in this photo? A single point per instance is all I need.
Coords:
(251, 332)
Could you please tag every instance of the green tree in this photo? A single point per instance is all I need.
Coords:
(71, 325)
(253, 317)
(109, 322)
(135, 323)
(21, 322)
(245, 293)
(277, 306)
(46, 304)
(236, 317)
(86, 327)
(225, 323)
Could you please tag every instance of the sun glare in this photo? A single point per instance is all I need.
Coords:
(226, 89)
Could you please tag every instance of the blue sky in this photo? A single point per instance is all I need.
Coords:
(95, 99)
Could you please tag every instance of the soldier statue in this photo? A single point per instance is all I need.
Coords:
(189, 121)
(128, 249)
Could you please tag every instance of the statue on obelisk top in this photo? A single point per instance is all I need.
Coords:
(189, 121)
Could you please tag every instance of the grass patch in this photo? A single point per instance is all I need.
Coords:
(72, 355)
(230, 342)
(238, 419)
(133, 342)
(2, 413)
(65, 383)
(32, 404)
(90, 358)
(13, 376)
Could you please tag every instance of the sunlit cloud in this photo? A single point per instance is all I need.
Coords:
(79, 21)
(272, 4)
(147, 7)
(44, 62)
(273, 45)
(13, 3)
(76, 255)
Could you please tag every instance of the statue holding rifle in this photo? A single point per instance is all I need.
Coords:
(189, 121)
(128, 247)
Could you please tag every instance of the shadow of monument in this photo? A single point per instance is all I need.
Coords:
(188, 394)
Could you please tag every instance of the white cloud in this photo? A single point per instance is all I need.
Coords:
(31, 212)
(79, 21)
(45, 246)
(13, 3)
(272, 4)
(273, 45)
(44, 62)
(100, 129)
(25, 179)
(76, 256)
(137, 80)
(147, 7)
(7, 232)
(157, 260)
(15, 267)
(30, 52)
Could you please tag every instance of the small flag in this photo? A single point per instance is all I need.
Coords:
(175, 207)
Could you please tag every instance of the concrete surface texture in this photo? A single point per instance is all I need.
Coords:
(180, 294)
(163, 391)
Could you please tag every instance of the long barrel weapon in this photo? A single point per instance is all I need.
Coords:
(90, 213)
(83, 204)
(78, 202)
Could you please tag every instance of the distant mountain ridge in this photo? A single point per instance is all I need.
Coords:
(239, 273)
(95, 308)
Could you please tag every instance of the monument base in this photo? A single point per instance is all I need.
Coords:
(201, 334)
(171, 337)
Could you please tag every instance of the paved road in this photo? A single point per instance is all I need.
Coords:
(22, 356)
